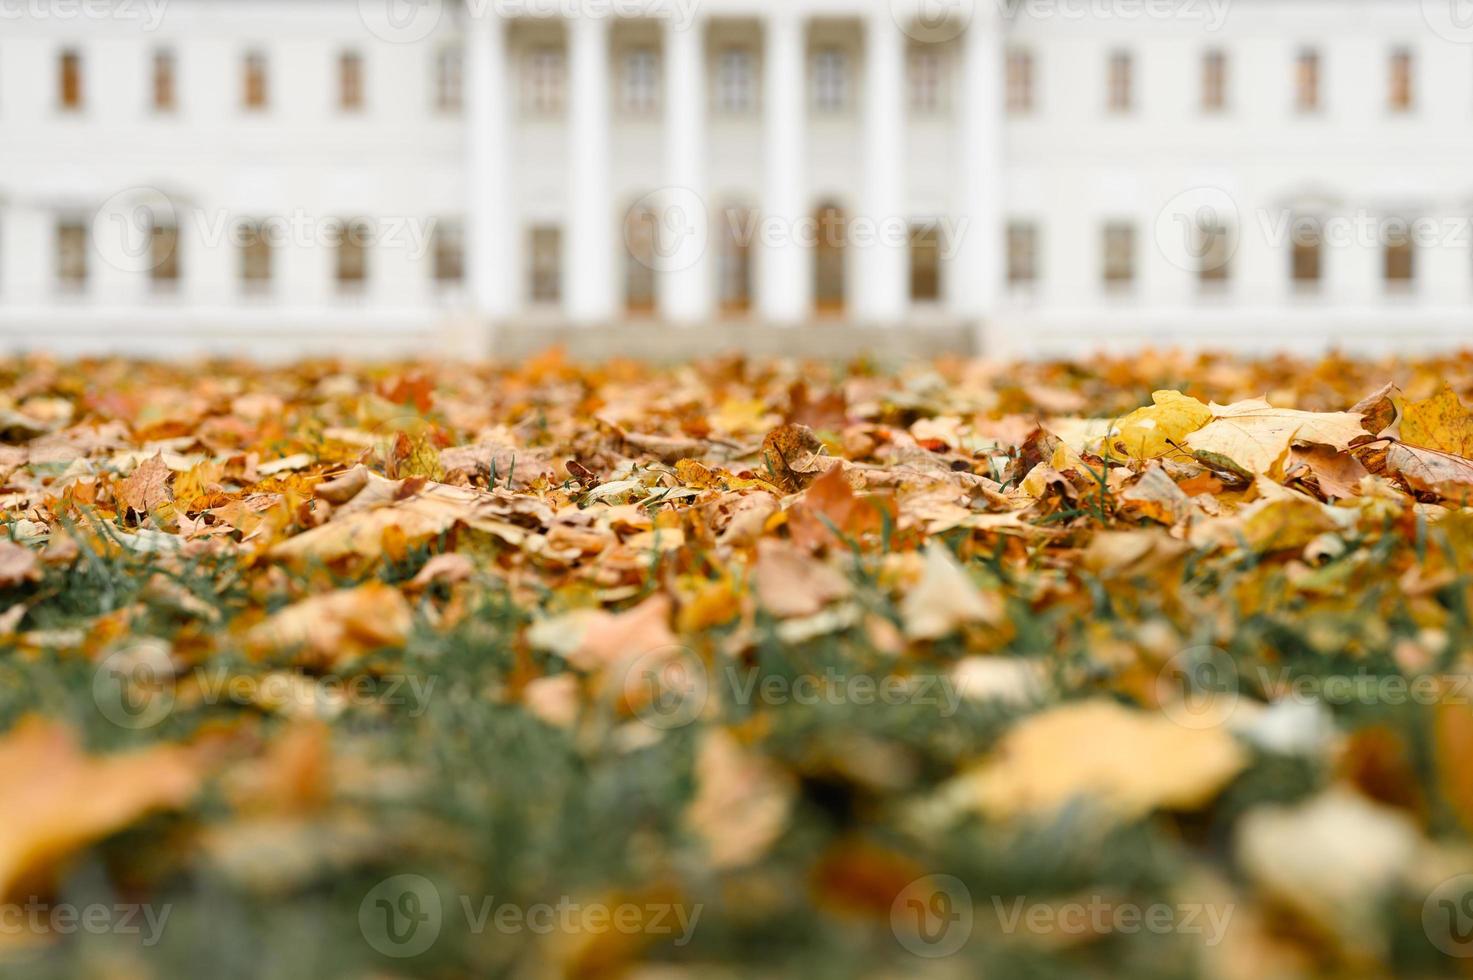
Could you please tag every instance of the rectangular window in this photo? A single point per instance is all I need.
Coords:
(71, 255)
(255, 93)
(1119, 255)
(164, 94)
(927, 82)
(1307, 251)
(449, 244)
(925, 263)
(352, 255)
(1400, 256)
(545, 80)
(736, 82)
(69, 81)
(1120, 82)
(1020, 82)
(546, 260)
(1307, 81)
(1022, 253)
(450, 79)
(1401, 95)
(1214, 251)
(255, 257)
(830, 80)
(350, 81)
(640, 91)
(1214, 81)
(734, 264)
(163, 255)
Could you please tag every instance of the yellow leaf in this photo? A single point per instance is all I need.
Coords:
(1157, 430)
(1098, 752)
(336, 626)
(1252, 437)
(1441, 422)
(58, 800)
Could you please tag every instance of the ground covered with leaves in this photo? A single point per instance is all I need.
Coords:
(1155, 667)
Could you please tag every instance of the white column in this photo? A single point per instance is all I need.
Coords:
(27, 254)
(786, 284)
(884, 289)
(685, 287)
(491, 232)
(588, 242)
(976, 275)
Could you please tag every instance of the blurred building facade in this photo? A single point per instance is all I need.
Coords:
(671, 176)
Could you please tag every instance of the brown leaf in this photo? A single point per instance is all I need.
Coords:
(337, 626)
(146, 489)
(791, 583)
(793, 456)
(18, 564)
(1432, 471)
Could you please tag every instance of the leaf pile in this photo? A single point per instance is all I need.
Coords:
(775, 641)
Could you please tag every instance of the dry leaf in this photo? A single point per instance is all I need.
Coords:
(337, 626)
(945, 599)
(1252, 437)
(1158, 430)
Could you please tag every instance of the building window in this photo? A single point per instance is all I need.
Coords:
(1214, 248)
(830, 80)
(1020, 82)
(1306, 262)
(1401, 95)
(449, 251)
(1307, 81)
(71, 255)
(1214, 81)
(255, 256)
(736, 82)
(1400, 257)
(546, 258)
(352, 255)
(925, 263)
(449, 79)
(69, 81)
(350, 81)
(734, 263)
(641, 225)
(255, 93)
(927, 81)
(1119, 254)
(546, 80)
(1022, 253)
(829, 264)
(164, 94)
(640, 88)
(1120, 81)
(163, 255)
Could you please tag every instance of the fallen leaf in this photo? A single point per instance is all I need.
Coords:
(1252, 437)
(945, 599)
(337, 626)
(1158, 430)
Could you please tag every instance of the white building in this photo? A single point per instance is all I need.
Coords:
(369, 176)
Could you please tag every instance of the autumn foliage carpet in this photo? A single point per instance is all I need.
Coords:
(1154, 667)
